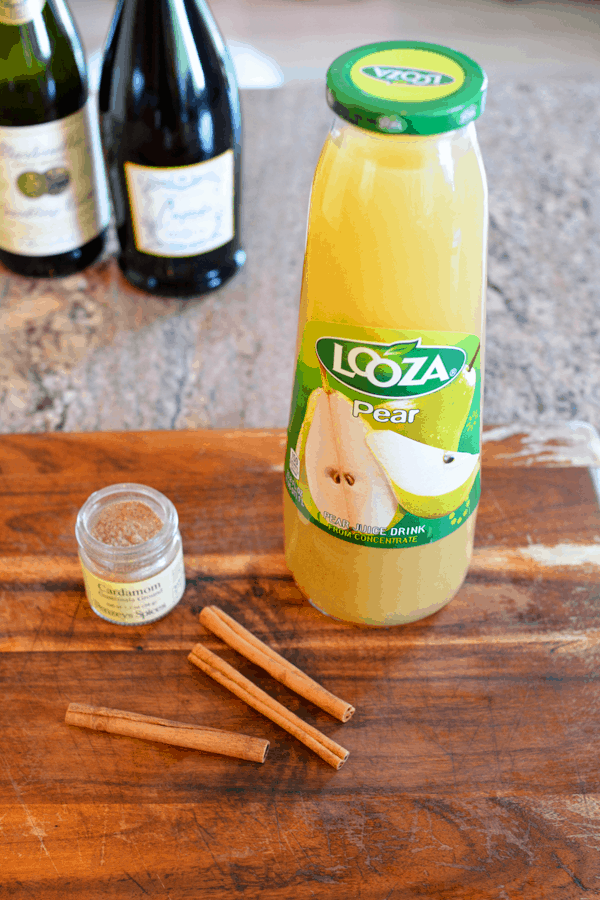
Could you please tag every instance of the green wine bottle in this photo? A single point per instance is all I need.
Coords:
(53, 196)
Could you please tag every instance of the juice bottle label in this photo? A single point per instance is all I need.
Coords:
(384, 437)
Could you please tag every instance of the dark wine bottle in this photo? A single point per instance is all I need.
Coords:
(171, 131)
(54, 208)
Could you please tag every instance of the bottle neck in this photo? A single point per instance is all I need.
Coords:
(403, 150)
(342, 126)
(42, 66)
(167, 73)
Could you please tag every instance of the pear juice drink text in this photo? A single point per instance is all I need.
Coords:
(382, 468)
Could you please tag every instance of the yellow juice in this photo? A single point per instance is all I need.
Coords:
(395, 259)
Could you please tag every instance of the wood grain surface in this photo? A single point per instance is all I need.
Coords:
(473, 769)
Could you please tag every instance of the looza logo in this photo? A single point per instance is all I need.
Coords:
(401, 369)
(414, 77)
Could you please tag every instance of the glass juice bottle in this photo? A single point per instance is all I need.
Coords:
(382, 468)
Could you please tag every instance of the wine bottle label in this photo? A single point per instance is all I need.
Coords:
(53, 192)
(138, 602)
(182, 211)
(18, 12)
(384, 437)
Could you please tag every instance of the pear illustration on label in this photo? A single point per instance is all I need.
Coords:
(301, 452)
(443, 415)
(430, 477)
(303, 435)
(346, 483)
(428, 481)
(437, 419)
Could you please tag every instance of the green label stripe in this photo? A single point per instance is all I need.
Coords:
(400, 369)
(414, 77)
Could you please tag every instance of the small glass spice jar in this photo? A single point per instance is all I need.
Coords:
(131, 554)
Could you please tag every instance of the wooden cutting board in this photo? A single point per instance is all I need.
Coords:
(473, 769)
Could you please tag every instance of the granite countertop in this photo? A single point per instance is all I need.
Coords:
(89, 352)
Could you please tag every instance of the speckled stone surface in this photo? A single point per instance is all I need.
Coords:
(91, 353)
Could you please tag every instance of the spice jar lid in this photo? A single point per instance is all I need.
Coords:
(116, 554)
(406, 87)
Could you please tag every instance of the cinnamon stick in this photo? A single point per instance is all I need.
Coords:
(252, 648)
(166, 731)
(235, 682)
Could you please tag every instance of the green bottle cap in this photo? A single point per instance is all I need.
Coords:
(406, 87)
